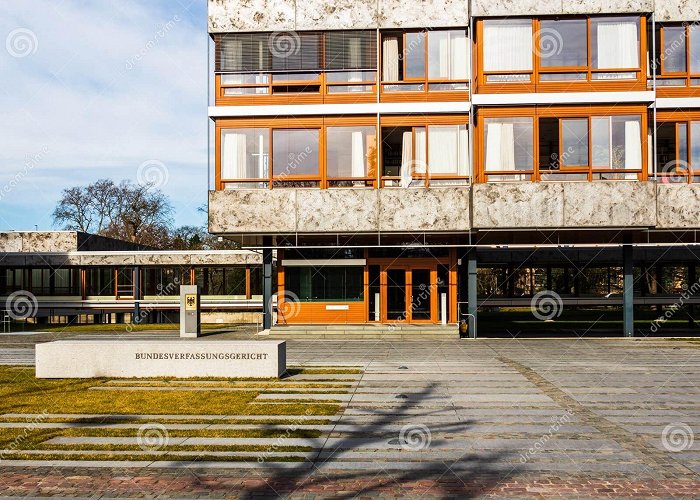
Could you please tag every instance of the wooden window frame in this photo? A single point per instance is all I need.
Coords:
(298, 123)
(419, 122)
(426, 94)
(537, 85)
(687, 117)
(687, 89)
(559, 112)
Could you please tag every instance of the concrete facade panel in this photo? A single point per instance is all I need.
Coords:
(418, 210)
(609, 204)
(677, 10)
(337, 210)
(607, 6)
(678, 206)
(251, 15)
(423, 13)
(252, 211)
(336, 15)
(518, 205)
(493, 8)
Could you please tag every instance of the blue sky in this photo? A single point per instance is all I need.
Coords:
(101, 88)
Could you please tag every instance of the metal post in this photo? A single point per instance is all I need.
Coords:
(137, 296)
(692, 278)
(471, 291)
(628, 291)
(267, 282)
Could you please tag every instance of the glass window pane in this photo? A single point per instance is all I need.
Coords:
(415, 55)
(245, 153)
(447, 150)
(574, 141)
(674, 49)
(351, 152)
(507, 45)
(563, 43)
(626, 142)
(694, 35)
(615, 42)
(683, 142)
(448, 53)
(508, 144)
(600, 131)
(295, 152)
(695, 144)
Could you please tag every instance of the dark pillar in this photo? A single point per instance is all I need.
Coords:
(137, 296)
(471, 292)
(692, 278)
(628, 291)
(267, 282)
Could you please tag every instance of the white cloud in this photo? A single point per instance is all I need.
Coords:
(112, 83)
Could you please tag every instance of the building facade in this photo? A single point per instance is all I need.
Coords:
(71, 277)
(418, 161)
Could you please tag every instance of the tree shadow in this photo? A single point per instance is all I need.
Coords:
(468, 475)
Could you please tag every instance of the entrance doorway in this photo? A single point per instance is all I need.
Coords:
(409, 294)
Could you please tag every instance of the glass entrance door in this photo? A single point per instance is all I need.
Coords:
(421, 295)
(396, 294)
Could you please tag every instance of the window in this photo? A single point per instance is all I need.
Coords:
(164, 281)
(100, 281)
(678, 51)
(678, 151)
(351, 155)
(325, 284)
(420, 61)
(224, 281)
(554, 50)
(424, 155)
(245, 154)
(615, 46)
(508, 147)
(507, 49)
(295, 153)
(11, 280)
(350, 61)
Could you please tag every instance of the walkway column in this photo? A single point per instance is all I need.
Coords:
(628, 291)
(692, 278)
(471, 291)
(267, 282)
(137, 296)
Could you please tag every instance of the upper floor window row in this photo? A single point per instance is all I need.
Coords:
(561, 49)
(677, 57)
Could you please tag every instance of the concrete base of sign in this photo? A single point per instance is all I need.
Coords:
(161, 358)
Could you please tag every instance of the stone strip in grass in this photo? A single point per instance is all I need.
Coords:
(279, 390)
(225, 419)
(172, 427)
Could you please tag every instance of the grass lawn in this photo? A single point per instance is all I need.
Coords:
(22, 393)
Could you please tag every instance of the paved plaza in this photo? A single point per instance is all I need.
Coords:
(522, 418)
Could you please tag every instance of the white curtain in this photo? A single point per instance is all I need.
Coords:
(357, 160)
(459, 56)
(390, 59)
(355, 52)
(463, 152)
(262, 157)
(420, 162)
(233, 158)
(508, 45)
(443, 149)
(406, 159)
(633, 147)
(617, 44)
(500, 147)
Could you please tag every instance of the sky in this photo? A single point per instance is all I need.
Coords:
(93, 89)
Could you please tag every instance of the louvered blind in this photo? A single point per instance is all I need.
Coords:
(243, 53)
(295, 51)
(350, 50)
